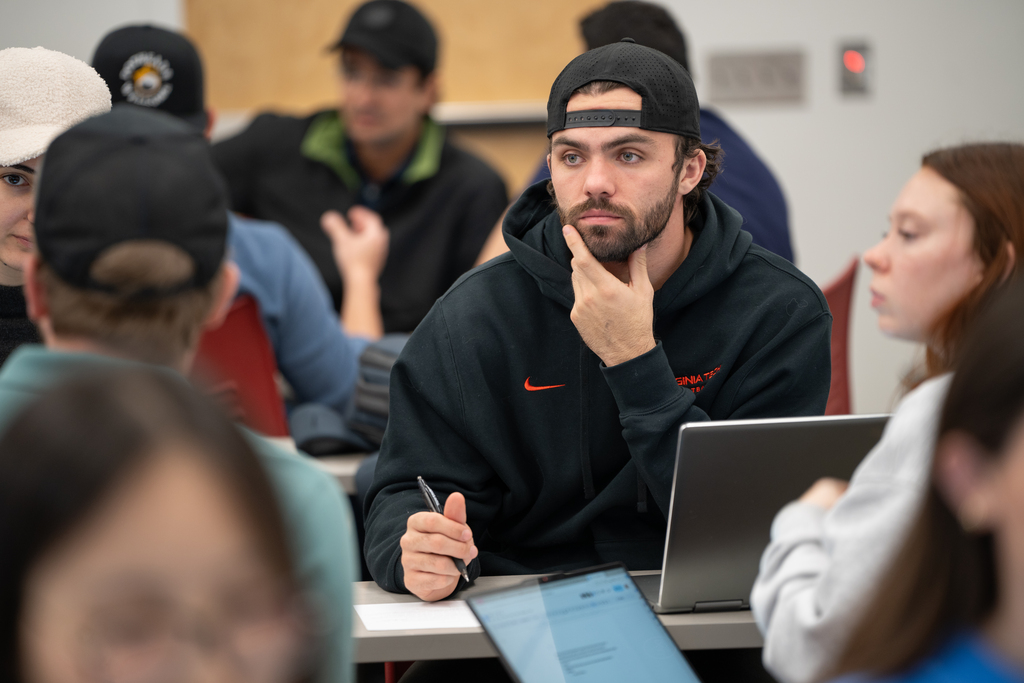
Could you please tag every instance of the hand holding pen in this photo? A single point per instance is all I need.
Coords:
(434, 544)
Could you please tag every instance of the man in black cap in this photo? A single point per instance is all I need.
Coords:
(379, 159)
(153, 68)
(131, 228)
(746, 183)
(543, 394)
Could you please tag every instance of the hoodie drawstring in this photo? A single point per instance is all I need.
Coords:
(641, 493)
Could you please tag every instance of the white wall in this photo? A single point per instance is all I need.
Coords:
(947, 71)
(75, 27)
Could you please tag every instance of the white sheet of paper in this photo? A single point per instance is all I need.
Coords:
(398, 616)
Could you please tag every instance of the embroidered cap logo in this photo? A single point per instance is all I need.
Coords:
(146, 76)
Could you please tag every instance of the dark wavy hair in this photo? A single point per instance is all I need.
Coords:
(66, 452)
(944, 579)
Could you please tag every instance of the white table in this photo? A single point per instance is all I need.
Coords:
(705, 631)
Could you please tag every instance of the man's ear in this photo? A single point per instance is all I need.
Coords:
(36, 301)
(432, 89)
(693, 171)
(211, 121)
(964, 477)
(223, 297)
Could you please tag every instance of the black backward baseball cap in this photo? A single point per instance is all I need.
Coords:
(669, 100)
(394, 32)
(131, 174)
(152, 67)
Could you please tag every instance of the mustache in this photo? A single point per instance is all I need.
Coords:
(571, 215)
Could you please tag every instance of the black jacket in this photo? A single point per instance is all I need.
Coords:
(580, 473)
(15, 327)
(438, 224)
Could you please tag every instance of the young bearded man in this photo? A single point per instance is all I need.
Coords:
(543, 393)
(378, 160)
(131, 228)
(747, 184)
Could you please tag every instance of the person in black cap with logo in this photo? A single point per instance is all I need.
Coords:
(378, 160)
(154, 68)
(543, 393)
(131, 228)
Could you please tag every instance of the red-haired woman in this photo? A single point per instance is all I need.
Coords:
(956, 236)
(951, 605)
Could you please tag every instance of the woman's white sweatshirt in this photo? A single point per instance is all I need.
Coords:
(819, 571)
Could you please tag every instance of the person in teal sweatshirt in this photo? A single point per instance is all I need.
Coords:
(542, 394)
(131, 229)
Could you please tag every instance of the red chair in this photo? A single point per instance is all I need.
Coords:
(237, 359)
(393, 671)
(839, 294)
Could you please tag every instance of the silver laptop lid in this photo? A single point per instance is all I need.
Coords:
(730, 480)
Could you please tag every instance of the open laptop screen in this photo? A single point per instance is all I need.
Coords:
(591, 627)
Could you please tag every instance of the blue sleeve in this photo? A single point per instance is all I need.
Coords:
(313, 353)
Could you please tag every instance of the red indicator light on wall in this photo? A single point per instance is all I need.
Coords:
(854, 61)
(855, 68)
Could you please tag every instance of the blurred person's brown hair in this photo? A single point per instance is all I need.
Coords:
(945, 578)
(73, 448)
(160, 330)
(990, 179)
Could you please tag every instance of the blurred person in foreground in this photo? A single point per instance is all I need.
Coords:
(154, 68)
(42, 94)
(745, 182)
(378, 161)
(131, 228)
(956, 232)
(950, 606)
(143, 542)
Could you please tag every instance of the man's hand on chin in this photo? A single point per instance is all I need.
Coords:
(614, 318)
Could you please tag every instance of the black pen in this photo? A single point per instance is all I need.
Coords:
(430, 498)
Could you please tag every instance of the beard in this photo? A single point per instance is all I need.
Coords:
(612, 244)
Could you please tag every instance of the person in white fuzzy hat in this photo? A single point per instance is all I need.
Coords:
(42, 94)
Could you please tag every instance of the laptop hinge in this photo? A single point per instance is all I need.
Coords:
(718, 606)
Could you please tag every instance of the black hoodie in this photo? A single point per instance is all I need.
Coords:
(565, 462)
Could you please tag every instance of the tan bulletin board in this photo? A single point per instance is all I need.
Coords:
(268, 54)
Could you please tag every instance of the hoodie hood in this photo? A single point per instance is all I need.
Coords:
(534, 236)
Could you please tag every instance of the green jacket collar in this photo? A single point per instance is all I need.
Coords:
(325, 142)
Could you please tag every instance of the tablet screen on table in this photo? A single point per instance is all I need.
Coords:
(592, 627)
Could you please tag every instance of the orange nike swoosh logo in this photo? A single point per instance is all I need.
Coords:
(530, 387)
